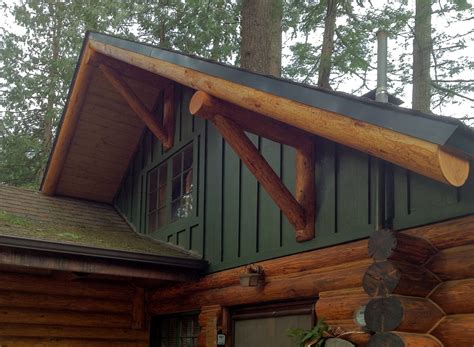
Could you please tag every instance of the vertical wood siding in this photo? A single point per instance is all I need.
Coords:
(236, 222)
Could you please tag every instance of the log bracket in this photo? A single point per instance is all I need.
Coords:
(163, 132)
(232, 122)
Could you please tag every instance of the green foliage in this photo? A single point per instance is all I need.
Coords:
(316, 336)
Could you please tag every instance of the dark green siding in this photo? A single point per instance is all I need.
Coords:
(235, 220)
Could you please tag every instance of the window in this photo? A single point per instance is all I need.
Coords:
(168, 205)
(177, 331)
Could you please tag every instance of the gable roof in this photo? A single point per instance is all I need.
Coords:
(31, 220)
(445, 131)
(99, 132)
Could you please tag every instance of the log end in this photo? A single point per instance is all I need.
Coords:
(454, 169)
(200, 104)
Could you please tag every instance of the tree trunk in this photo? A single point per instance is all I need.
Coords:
(260, 49)
(422, 49)
(328, 44)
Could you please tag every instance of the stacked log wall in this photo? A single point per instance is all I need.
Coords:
(436, 282)
(442, 316)
(45, 309)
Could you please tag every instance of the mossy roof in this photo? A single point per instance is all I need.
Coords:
(28, 214)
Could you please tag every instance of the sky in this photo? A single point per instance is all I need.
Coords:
(395, 46)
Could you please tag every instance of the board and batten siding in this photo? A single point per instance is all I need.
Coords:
(234, 220)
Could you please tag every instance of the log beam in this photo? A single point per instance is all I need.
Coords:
(204, 105)
(135, 103)
(423, 157)
(388, 277)
(401, 247)
(397, 339)
(407, 314)
(262, 171)
(169, 119)
(231, 121)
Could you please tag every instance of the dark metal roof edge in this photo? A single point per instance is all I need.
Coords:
(101, 253)
(66, 105)
(402, 120)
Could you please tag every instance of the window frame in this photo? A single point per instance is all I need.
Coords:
(155, 327)
(168, 161)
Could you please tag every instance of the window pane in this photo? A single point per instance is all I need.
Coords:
(188, 157)
(162, 217)
(163, 174)
(152, 179)
(177, 165)
(162, 200)
(152, 222)
(152, 201)
(175, 210)
(176, 188)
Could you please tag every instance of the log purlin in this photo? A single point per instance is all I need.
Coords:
(420, 156)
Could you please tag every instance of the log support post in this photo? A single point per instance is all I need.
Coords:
(231, 122)
(163, 132)
(210, 319)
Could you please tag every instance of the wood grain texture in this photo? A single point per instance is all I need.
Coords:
(402, 313)
(417, 155)
(456, 330)
(389, 277)
(341, 304)
(455, 297)
(397, 339)
(316, 260)
(388, 244)
(453, 263)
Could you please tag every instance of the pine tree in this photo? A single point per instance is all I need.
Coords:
(261, 36)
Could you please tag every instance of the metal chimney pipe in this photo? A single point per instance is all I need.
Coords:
(381, 92)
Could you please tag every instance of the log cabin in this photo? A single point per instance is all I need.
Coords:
(191, 203)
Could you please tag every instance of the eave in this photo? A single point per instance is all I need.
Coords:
(73, 258)
(436, 147)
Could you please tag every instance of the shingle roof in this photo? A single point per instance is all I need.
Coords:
(30, 215)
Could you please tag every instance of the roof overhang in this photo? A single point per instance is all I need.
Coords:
(73, 258)
(434, 146)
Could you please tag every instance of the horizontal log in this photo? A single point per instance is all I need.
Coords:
(402, 313)
(455, 297)
(307, 284)
(50, 285)
(340, 304)
(58, 331)
(414, 154)
(456, 330)
(453, 263)
(389, 277)
(46, 342)
(205, 105)
(61, 302)
(397, 339)
(387, 244)
(297, 263)
(453, 233)
(66, 318)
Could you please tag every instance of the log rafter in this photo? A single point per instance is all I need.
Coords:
(232, 121)
(163, 132)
